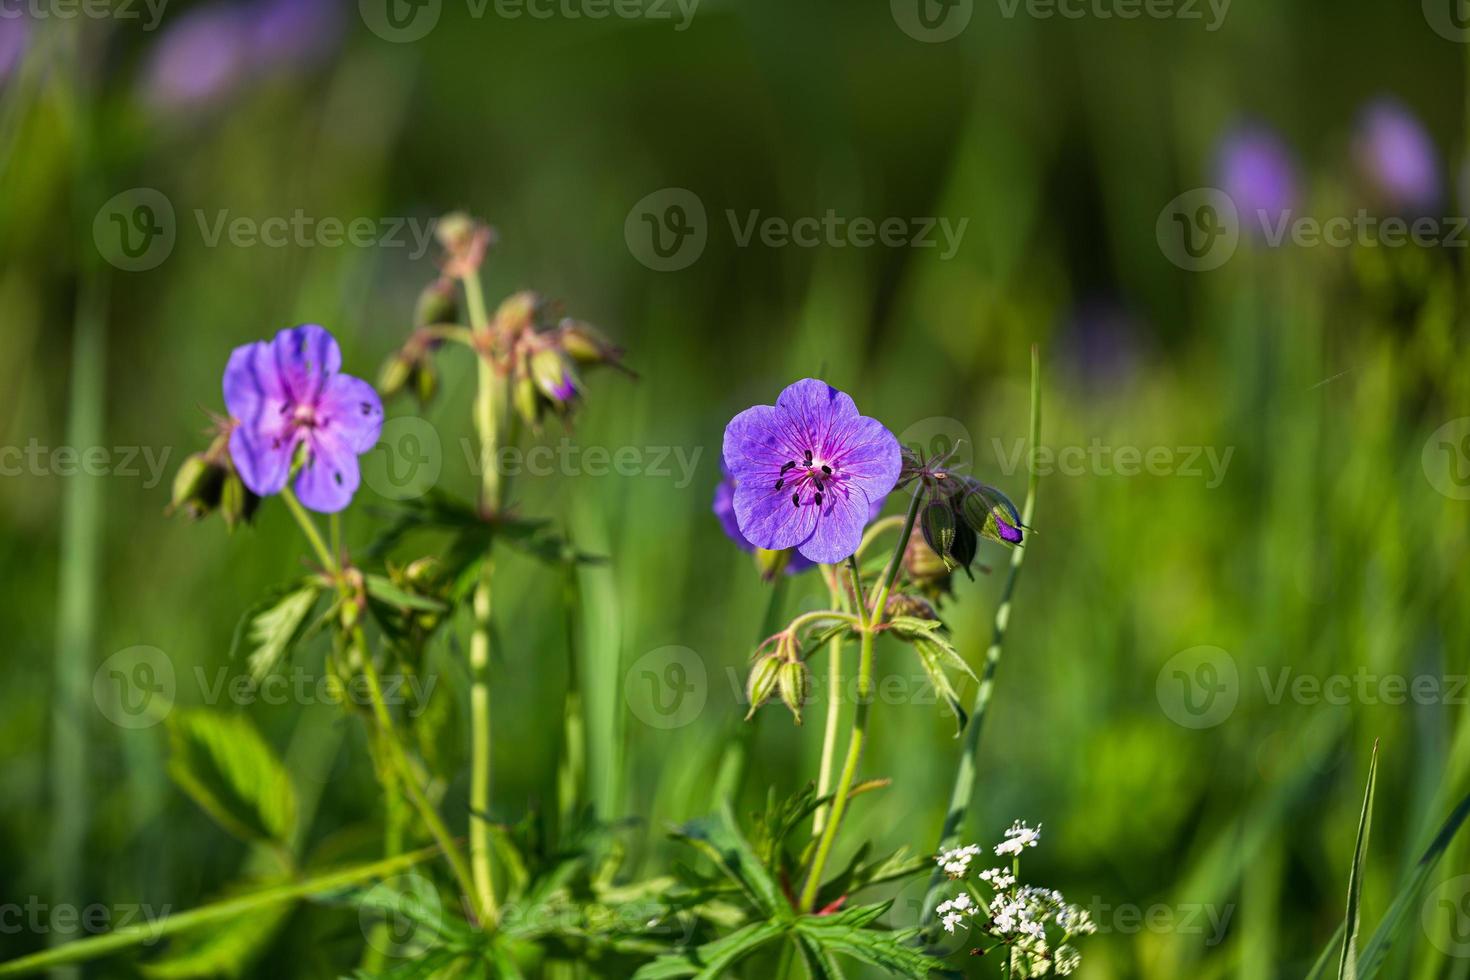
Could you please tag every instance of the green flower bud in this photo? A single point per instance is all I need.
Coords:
(900, 604)
(517, 313)
(396, 373)
(527, 401)
(762, 682)
(197, 486)
(236, 503)
(772, 563)
(423, 574)
(436, 304)
(796, 686)
(426, 382)
(555, 378)
(585, 344)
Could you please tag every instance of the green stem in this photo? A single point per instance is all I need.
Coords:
(309, 528)
(488, 395)
(834, 704)
(860, 715)
(964, 780)
(731, 772)
(149, 932)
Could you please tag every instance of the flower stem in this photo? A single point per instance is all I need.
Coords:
(868, 621)
(399, 758)
(964, 779)
(488, 395)
(834, 703)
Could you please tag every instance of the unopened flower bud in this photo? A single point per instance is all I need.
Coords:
(517, 313)
(436, 304)
(197, 485)
(772, 563)
(587, 345)
(396, 373)
(901, 604)
(527, 401)
(236, 502)
(423, 573)
(426, 381)
(555, 377)
(762, 682)
(796, 685)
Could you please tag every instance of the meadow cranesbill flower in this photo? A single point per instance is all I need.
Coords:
(287, 395)
(808, 470)
(293, 33)
(1397, 156)
(203, 56)
(14, 35)
(1256, 171)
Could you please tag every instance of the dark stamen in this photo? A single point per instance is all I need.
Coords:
(779, 483)
(788, 466)
(819, 484)
(826, 469)
(819, 499)
(796, 500)
(808, 457)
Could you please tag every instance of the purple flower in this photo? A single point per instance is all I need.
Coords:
(203, 57)
(724, 507)
(14, 33)
(1256, 171)
(290, 33)
(1397, 156)
(287, 393)
(808, 470)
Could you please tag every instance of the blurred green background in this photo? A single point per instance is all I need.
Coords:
(1333, 543)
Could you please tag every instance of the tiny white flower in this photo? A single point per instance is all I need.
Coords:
(998, 878)
(1067, 960)
(1018, 838)
(956, 861)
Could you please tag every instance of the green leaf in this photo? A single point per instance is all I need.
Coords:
(225, 949)
(1347, 967)
(710, 961)
(224, 765)
(275, 625)
(845, 933)
(819, 963)
(719, 838)
(381, 588)
(935, 653)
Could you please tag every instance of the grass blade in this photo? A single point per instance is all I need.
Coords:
(1347, 966)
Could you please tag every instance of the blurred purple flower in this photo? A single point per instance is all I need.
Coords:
(1397, 156)
(808, 471)
(1256, 170)
(289, 33)
(201, 58)
(287, 393)
(1101, 344)
(14, 34)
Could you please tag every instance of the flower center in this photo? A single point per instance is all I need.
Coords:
(304, 417)
(807, 479)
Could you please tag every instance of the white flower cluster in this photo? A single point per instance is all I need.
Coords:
(1017, 916)
(1018, 838)
(956, 861)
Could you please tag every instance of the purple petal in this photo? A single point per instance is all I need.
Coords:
(866, 455)
(839, 531)
(262, 456)
(306, 357)
(255, 393)
(758, 442)
(352, 410)
(330, 476)
(813, 408)
(724, 507)
(768, 519)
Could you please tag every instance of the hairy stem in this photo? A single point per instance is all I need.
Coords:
(868, 620)
(488, 396)
(834, 703)
(964, 779)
